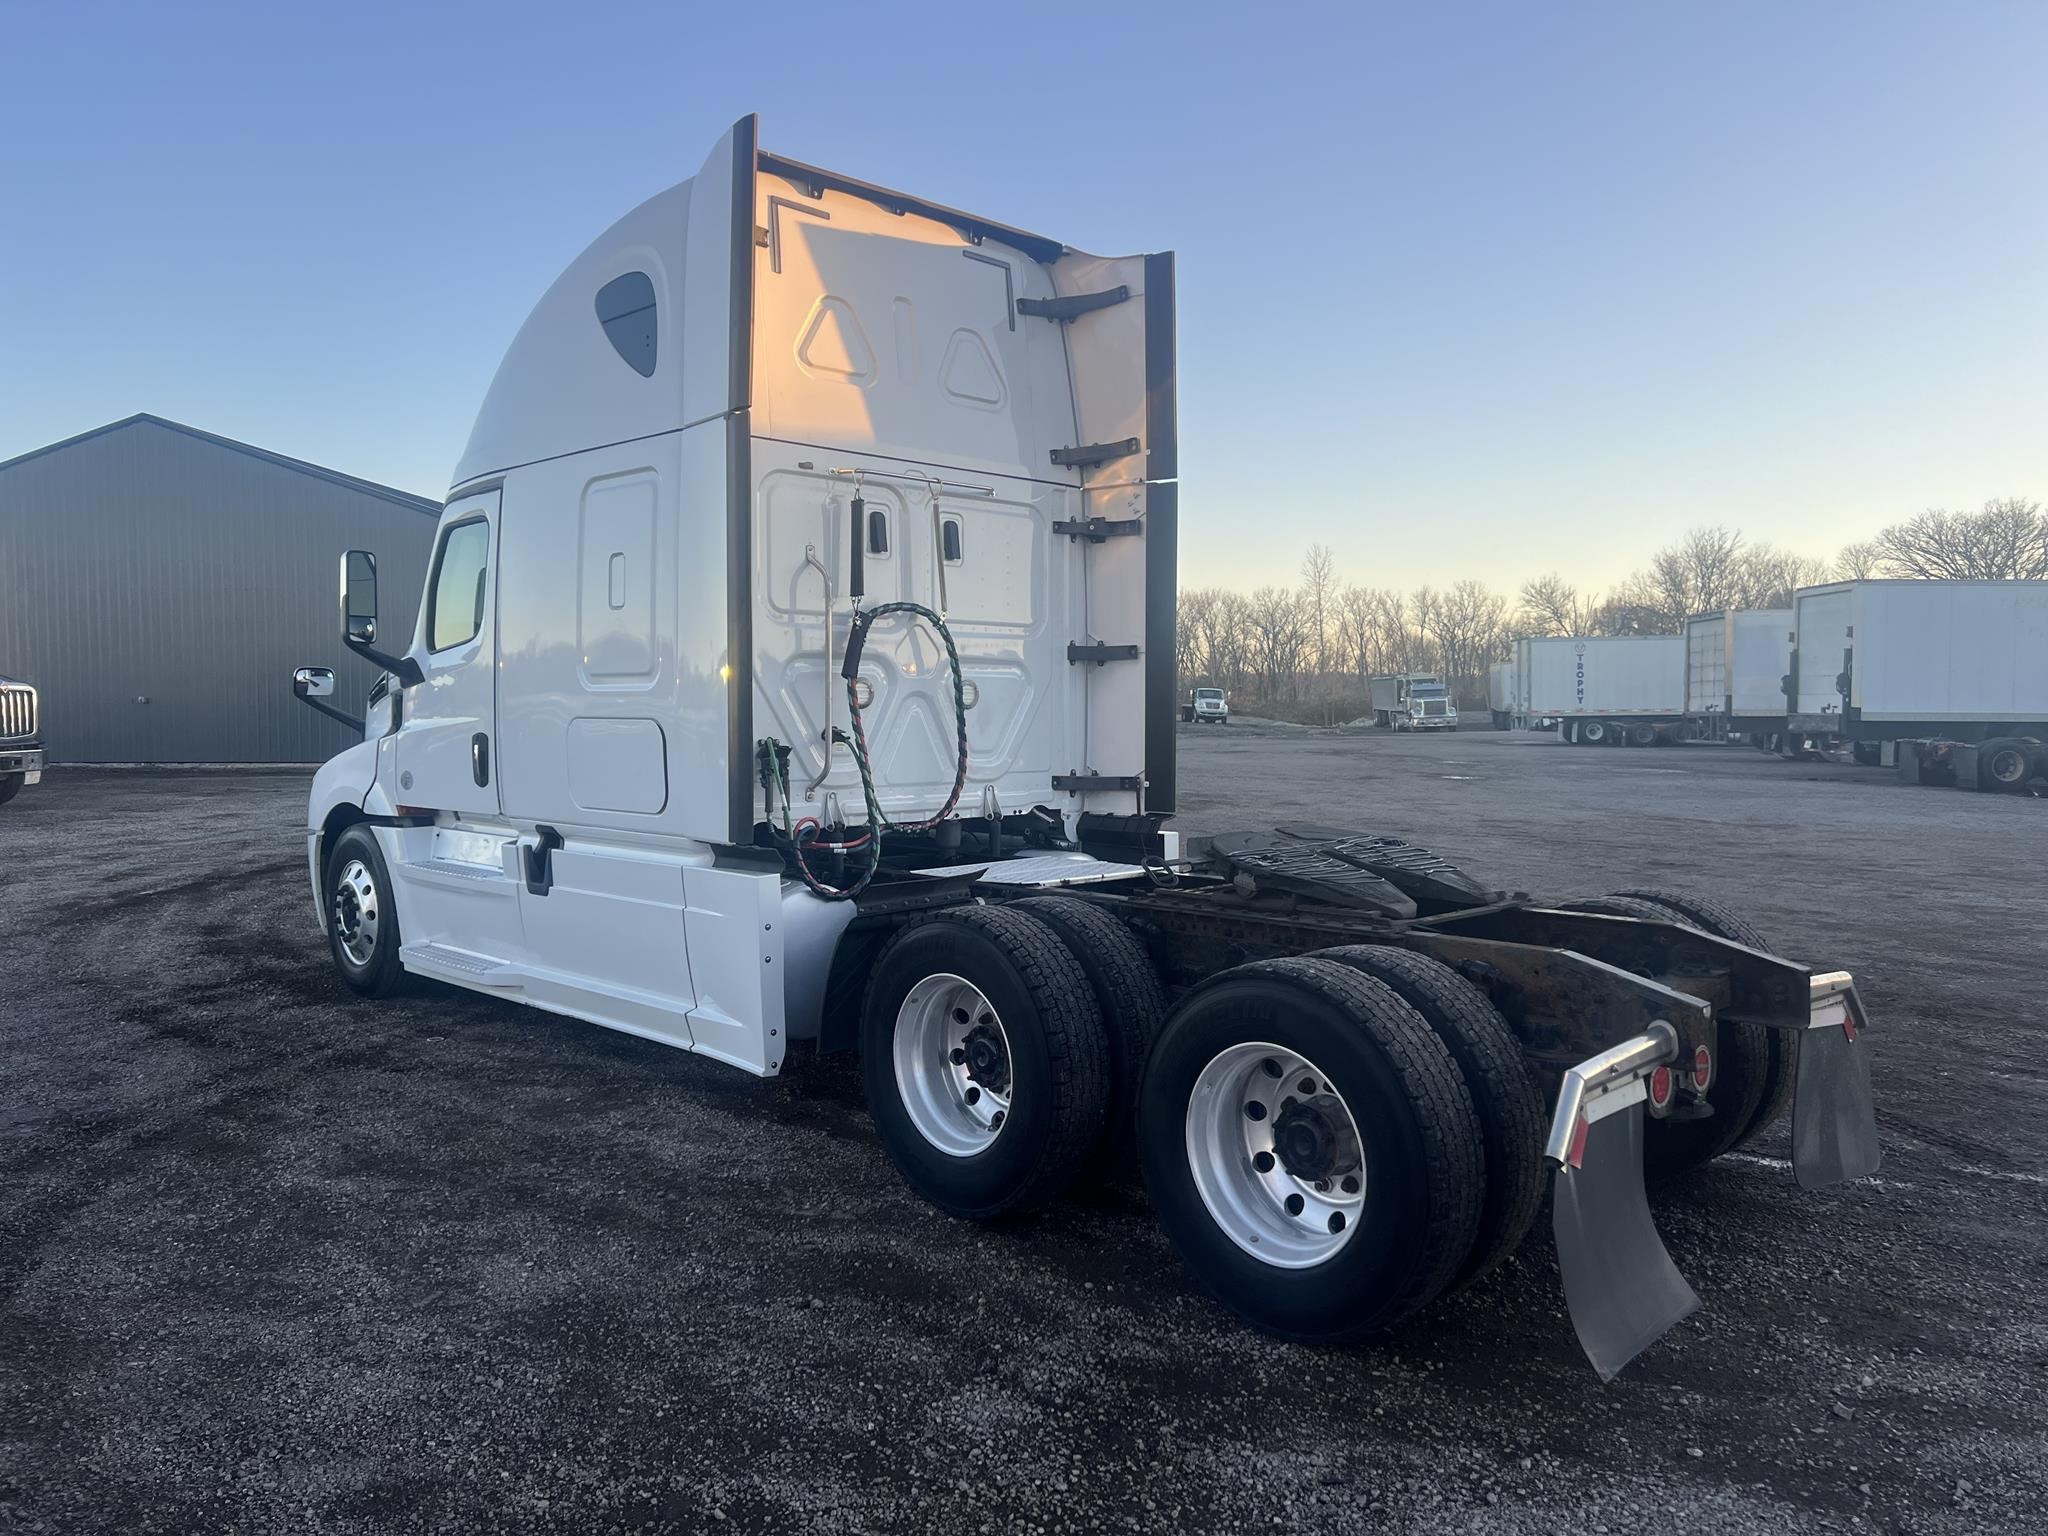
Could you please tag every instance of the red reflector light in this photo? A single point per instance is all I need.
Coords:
(1702, 1067)
(1848, 1023)
(1660, 1087)
(1577, 1155)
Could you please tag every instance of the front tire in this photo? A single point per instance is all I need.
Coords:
(362, 915)
(985, 1060)
(10, 786)
(1311, 1149)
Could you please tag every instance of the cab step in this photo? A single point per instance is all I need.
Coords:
(460, 966)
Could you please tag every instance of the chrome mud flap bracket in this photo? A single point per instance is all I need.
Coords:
(1620, 1285)
(1834, 1119)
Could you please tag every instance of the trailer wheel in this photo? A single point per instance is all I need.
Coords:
(985, 1060)
(362, 915)
(1594, 733)
(1868, 754)
(1640, 735)
(2004, 764)
(1132, 1001)
(1752, 1070)
(1311, 1149)
(1511, 1121)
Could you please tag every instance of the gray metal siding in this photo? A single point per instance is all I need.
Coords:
(159, 588)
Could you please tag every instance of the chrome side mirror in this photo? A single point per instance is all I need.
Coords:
(313, 682)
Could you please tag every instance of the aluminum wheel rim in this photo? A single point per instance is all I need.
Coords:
(2009, 766)
(953, 1065)
(1274, 1213)
(356, 912)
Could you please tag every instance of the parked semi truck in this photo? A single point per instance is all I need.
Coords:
(1500, 694)
(1413, 701)
(1737, 663)
(21, 742)
(1947, 679)
(1604, 690)
(796, 671)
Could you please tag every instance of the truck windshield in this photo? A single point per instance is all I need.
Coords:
(1426, 690)
(1209, 695)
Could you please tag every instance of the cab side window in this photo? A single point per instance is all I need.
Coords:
(455, 605)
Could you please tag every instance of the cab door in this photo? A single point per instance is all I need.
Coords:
(444, 755)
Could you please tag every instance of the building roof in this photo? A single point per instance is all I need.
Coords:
(319, 472)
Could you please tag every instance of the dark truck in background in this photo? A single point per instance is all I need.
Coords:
(21, 747)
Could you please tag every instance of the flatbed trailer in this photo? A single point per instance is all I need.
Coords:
(796, 670)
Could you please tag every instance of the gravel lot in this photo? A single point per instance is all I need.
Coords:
(276, 1259)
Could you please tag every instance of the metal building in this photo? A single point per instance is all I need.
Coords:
(158, 584)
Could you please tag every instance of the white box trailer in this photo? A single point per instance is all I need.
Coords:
(1736, 663)
(1603, 689)
(1500, 694)
(796, 670)
(1959, 668)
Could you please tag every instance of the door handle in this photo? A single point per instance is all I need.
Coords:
(480, 759)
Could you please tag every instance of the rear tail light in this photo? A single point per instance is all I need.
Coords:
(1702, 1068)
(1661, 1086)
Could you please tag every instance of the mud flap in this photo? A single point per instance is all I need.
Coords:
(1834, 1119)
(1623, 1291)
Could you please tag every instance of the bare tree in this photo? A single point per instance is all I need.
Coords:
(1766, 577)
(1318, 587)
(1552, 606)
(1279, 633)
(1858, 562)
(2007, 541)
(1191, 633)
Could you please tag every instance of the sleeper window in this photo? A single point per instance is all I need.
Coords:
(455, 611)
(626, 310)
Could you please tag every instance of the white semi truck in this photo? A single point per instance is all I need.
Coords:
(1412, 701)
(1737, 664)
(1604, 690)
(21, 742)
(796, 671)
(1950, 678)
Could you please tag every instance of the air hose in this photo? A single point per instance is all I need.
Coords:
(857, 740)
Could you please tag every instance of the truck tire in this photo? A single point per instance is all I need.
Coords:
(1511, 1120)
(1725, 922)
(1640, 735)
(1745, 1058)
(10, 786)
(985, 1060)
(1250, 1048)
(362, 915)
(1133, 1005)
(1594, 733)
(1868, 754)
(2005, 765)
